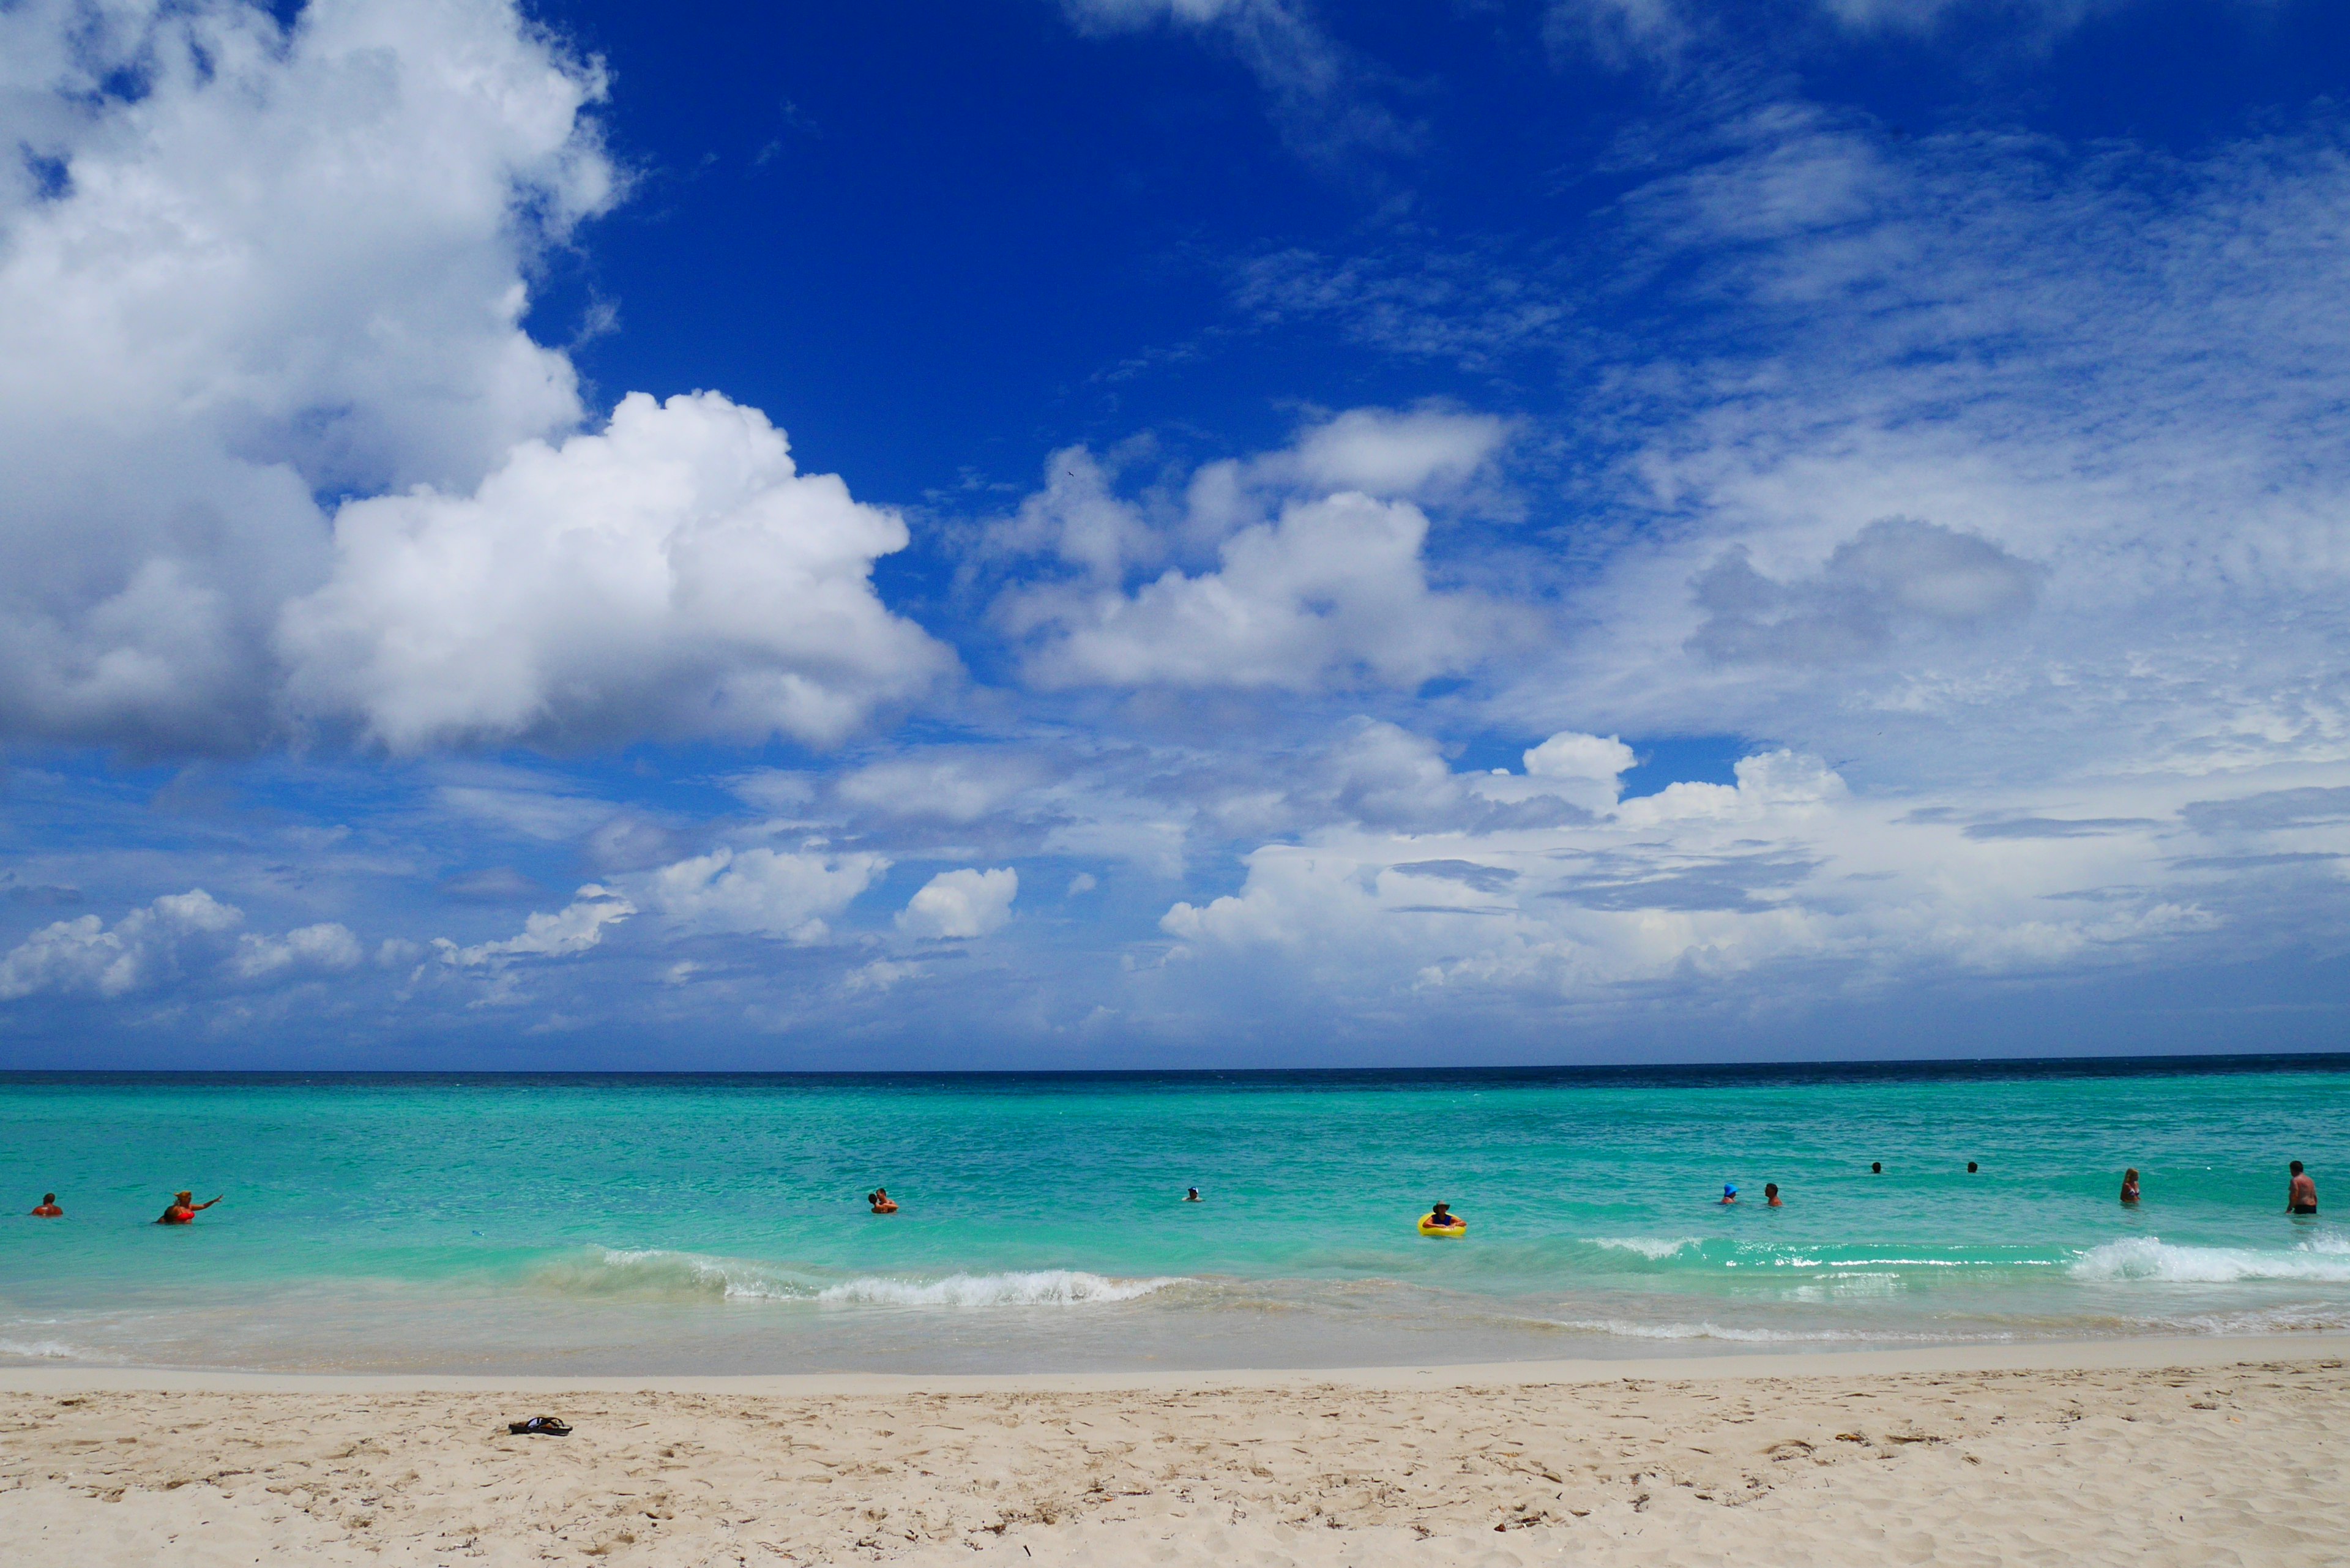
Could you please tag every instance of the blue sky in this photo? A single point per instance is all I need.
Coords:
(1119, 533)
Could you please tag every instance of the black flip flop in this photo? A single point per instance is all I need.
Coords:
(539, 1427)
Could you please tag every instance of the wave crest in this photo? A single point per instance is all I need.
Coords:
(1042, 1287)
(1656, 1248)
(618, 1271)
(2325, 1260)
(615, 1271)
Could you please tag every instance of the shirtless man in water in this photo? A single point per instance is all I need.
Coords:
(2301, 1198)
(184, 1209)
(48, 1208)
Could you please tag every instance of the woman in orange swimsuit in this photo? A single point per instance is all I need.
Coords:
(184, 1209)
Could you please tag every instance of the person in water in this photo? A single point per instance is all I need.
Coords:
(2300, 1197)
(184, 1209)
(1729, 1193)
(2129, 1185)
(1876, 1168)
(48, 1208)
(1440, 1216)
(882, 1201)
(1190, 1195)
(1970, 1168)
(1771, 1196)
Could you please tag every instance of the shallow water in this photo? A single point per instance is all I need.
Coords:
(715, 1223)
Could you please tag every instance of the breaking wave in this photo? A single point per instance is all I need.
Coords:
(1044, 1287)
(617, 1272)
(41, 1350)
(2326, 1259)
(1656, 1248)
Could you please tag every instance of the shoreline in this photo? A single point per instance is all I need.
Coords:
(2153, 1352)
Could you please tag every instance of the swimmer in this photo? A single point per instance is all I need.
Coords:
(184, 1209)
(1729, 1193)
(1771, 1196)
(48, 1208)
(2300, 1197)
(1970, 1168)
(1876, 1168)
(882, 1201)
(1190, 1195)
(1440, 1215)
(2129, 1186)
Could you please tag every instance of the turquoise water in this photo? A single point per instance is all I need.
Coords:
(617, 1224)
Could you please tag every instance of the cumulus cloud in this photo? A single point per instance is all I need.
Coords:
(674, 574)
(1319, 579)
(270, 261)
(569, 931)
(326, 947)
(246, 263)
(761, 891)
(147, 946)
(965, 903)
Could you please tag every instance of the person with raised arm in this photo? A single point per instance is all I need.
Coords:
(184, 1209)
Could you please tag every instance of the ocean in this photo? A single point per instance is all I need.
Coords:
(651, 1224)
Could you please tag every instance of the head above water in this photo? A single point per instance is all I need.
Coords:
(1970, 1168)
(185, 1196)
(48, 1198)
(1876, 1168)
(1440, 1208)
(2296, 1167)
(1770, 1189)
(1728, 1191)
(2130, 1175)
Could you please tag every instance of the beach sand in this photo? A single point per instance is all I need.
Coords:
(2198, 1453)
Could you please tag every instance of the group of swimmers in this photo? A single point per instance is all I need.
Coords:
(2301, 1196)
(183, 1210)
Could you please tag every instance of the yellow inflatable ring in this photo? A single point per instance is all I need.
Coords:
(1458, 1228)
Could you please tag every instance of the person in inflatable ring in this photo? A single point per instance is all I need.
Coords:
(1440, 1218)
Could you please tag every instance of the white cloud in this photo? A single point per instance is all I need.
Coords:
(880, 976)
(284, 260)
(146, 948)
(242, 264)
(761, 892)
(571, 930)
(674, 574)
(1977, 492)
(1784, 882)
(326, 947)
(1320, 577)
(954, 786)
(1332, 592)
(965, 903)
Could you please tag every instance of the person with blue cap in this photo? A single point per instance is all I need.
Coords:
(1729, 1193)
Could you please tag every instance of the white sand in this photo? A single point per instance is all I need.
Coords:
(2163, 1452)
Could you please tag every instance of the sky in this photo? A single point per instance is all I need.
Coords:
(1101, 534)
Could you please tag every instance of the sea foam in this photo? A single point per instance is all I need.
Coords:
(2324, 1259)
(1656, 1248)
(1042, 1287)
(618, 1272)
(40, 1350)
